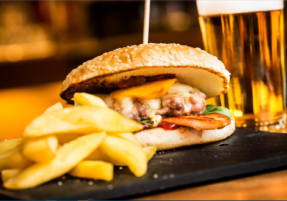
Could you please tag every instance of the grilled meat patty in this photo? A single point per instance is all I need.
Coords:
(180, 100)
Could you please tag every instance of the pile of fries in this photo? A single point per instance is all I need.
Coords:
(85, 141)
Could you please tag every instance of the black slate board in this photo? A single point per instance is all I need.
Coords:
(244, 152)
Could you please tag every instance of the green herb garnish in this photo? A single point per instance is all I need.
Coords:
(218, 109)
(146, 121)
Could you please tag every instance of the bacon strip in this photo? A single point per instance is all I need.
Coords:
(202, 122)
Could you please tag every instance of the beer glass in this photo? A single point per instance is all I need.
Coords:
(248, 37)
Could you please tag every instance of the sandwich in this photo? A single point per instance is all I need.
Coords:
(162, 86)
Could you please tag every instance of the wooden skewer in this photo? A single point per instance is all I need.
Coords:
(146, 21)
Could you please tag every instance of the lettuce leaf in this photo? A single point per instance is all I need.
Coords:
(146, 121)
(218, 109)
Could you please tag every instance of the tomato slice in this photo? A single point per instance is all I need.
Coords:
(150, 90)
(167, 126)
(203, 122)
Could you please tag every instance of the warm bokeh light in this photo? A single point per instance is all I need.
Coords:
(19, 106)
(14, 53)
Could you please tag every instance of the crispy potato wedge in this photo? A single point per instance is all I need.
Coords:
(62, 139)
(98, 154)
(4, 158)
(8, 173)
(67, 157)
(40, 149)
(88, 99)
(128, 136)
(14, 159)
(126, 152)
(94, 170)
(80, 120)
(56, 107)
(8, 145)
(149, 152)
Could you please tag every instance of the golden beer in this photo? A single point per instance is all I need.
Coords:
(251, 45)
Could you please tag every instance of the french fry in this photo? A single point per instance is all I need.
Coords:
(14, 159)
(94, 170)
(67, 157)
(55, 107)
(149, 152)
(3, 159)
(8, 145)
(127, 153)
(8, 173)
(80, 120)
(88, 99)
(98, 154)
(62, 139)
(130, 137)
(40, 149)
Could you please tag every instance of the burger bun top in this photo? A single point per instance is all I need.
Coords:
(192, 66)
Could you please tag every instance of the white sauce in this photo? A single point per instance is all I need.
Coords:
(156, 119)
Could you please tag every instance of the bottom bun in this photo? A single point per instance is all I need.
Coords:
(183, 136)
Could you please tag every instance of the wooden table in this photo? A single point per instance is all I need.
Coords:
(268, 186)
(20, 105)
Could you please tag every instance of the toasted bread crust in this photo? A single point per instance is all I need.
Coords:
(91, 76)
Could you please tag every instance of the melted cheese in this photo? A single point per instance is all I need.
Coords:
(180, 89)
(107, 99)
(126, 104)
(154, 104)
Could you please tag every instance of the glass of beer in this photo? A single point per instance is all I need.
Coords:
(248, 37)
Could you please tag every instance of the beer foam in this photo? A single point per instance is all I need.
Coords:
(214, 7)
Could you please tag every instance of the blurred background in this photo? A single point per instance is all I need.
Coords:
(42, 41)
